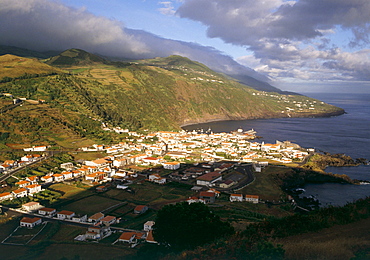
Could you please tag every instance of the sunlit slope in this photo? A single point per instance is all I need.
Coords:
(12, 66)
(162, 93)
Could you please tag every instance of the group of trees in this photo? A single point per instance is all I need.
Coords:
(197, 232)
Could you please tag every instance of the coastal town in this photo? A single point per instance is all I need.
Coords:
(209, 163)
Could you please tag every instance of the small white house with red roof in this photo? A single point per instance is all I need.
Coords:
(236, 197)
(19, 193)
(30, 222)
(140, 209)
(58, 177)
(47, 212)
(33, 188)
(31, 206)
(252, 198)
(6, 196)
(65, 214)
(22, 183)
(47, 179)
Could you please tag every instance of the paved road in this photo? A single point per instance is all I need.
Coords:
(11, 172)
(10, 107)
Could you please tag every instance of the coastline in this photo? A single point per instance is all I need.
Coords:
(193, 122)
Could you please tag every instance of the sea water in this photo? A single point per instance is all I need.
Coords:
(348, 133)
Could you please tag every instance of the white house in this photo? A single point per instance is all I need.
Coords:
(96, 217)
(236, 197)
(151, 160)
(47, 212)
(33, 188)
(67, 175)
(148, 225)
(19, 193)
(58, 177)
(157, 179)
(65, 214)
(252, 198)
(5, 196)
(47, 179)
(31, 206)
(171, 165)
(30, 222)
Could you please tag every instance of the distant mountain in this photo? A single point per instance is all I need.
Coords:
(83, 90)
(79, 57)
(257, 84)
(4, 49)
(74, 57)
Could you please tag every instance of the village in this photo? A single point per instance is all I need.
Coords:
(210, 163)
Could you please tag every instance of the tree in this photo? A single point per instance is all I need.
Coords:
(185, 226)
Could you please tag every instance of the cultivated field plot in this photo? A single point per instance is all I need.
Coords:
(150, 194)
(67, 233)
(136, 221)
(69, 191)
(23, 235)
(265, 186)
(91, 205)
(84, 251)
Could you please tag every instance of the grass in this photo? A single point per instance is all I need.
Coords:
(22, 235)
(67, 233)
(150, 194)
(338, 242)
(70, 191)
(265, 186)
(90, 205)
(136, 221)
(84, 251)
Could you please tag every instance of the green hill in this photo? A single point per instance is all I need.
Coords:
(74, 57)
(156, 94)
(12, 66)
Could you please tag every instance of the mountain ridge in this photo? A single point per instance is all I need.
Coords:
(157, 94)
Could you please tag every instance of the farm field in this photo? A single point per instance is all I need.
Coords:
(70, 191)
(151, 194)
(91, 205)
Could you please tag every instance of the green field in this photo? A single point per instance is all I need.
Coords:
(70, 191)
(151, 194)
(90, 205)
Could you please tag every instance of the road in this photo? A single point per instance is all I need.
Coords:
(11, 172)
(10, 107)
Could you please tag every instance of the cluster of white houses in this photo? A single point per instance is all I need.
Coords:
(100, 223)
(241, 198)
(149, 149)
(12, 164)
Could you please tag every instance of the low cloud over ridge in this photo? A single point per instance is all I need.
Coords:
(46, 25)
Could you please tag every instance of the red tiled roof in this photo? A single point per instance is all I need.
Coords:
(30, 220)
(66, 212)
(209, 176)
(207, 194)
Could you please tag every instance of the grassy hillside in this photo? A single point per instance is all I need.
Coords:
(162, 93)
(12, 66)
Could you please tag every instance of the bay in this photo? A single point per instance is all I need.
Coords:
(348, 134)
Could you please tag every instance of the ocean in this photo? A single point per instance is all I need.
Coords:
(348, 134)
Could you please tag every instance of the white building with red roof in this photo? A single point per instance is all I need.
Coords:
(30, 222)
(236, 197)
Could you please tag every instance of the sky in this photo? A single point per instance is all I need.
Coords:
(296, 45)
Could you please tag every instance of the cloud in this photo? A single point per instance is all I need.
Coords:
(168, 8)
(290, 38)
(46, 25)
